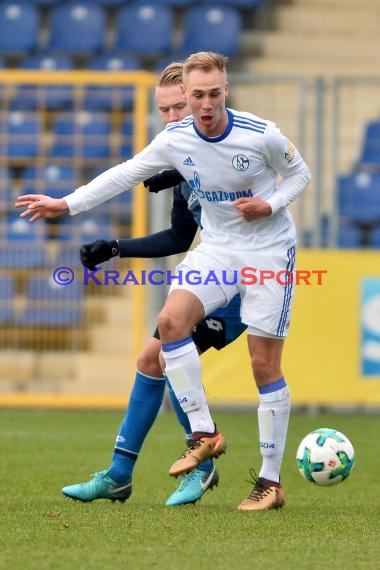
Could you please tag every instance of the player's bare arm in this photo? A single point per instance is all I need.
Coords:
(252, 208)
(39, 206)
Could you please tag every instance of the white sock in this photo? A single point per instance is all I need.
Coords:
(273, 416)
(183, 368)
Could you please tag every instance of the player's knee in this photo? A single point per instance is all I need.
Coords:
(149, 364)
(164, 322)
(262, 370)
(170, 325)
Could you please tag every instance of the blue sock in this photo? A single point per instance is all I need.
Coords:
(184, 421)
(144, 404)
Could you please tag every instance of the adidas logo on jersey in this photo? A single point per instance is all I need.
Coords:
(188, 162)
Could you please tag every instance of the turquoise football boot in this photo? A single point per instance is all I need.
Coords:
(101, 486)
(193, 486)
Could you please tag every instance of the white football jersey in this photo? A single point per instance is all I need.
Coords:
(252, 158)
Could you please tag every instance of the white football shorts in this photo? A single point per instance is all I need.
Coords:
(264, 279)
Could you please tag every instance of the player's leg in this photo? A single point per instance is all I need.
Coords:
(214, 331)
(273, 419)
(144, 404)
(267, 331)
(219, 328)
(145, 401)
(192, 485)
(182, 310)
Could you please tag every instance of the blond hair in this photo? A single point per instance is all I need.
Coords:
(171, 75)
(205, 60)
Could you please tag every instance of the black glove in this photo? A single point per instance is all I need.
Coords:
(98, 251)
(163, 180)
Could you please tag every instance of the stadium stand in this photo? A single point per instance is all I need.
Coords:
(5, 189)
(45, 4)
(374, 238)
(52, 317)
(20, 28)
(104, 99)
(349, 235)
(55, 180)
(53, 97)
(370, 154)
(52, 304)
(7, 294)
(205, 28)
(22, 245)
(172, 3)
(66, 255)
(84, 230)
(127, 138)
(240, 4)
(19, 229)
(81, 134)
(119, 209)
(359, 197)
(20, 134)
(145, 30)
(359, 209)
(318, 38)
(77, 28)
(112, 3)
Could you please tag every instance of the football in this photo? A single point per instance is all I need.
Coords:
(325, 457)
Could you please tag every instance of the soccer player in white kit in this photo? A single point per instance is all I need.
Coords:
(232, 160)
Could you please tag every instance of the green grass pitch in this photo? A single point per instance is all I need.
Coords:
(319, 527)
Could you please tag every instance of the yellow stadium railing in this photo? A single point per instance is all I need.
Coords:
(11, 80)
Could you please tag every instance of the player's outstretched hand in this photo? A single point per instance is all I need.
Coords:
(39, 206)
(165, 179)
(91, 254)
(252, 208)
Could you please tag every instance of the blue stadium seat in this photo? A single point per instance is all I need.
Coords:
(171, 3)
(359, 197)
(22, 244)
(54, 180)
(49, 304)
(240, 4)
(374, 238)
(119, 208)
(23, 134)
(86, 229)
(45, 3)
(6, 193)
(19, 25)
(349, 236)
(20, 229)
(112, 3)
(104, 98)
(144, 30)
(370, 155)
(77, 28)
(212, 28)
(67, 255)
(2, 65)
(7, 294)
(122, 207)
(52, 97)
(127, 129)
(83, 134)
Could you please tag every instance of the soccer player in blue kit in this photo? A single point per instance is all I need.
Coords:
(245, 173)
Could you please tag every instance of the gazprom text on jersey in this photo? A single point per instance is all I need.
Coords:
(221, 196)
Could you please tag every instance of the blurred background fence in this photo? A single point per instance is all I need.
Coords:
(77, 99)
